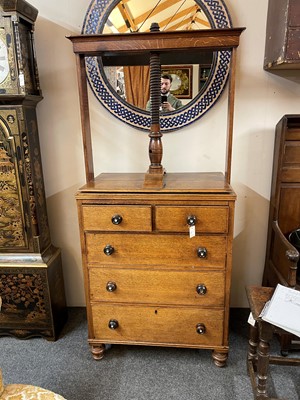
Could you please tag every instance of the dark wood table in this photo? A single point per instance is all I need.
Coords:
(261, 333)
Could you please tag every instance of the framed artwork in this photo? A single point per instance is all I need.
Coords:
(182, 82)
(204, 74)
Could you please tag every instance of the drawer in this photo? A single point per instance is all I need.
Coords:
(293, 132)
(292, 45)
(117, 218)
(147, 249)
(157, 287)
(157, 325)
(291, 152)
(208, 219)
(291, 162)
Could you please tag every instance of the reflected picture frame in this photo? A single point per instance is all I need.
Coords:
(182, 80)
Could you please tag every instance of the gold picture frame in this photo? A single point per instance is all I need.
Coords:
(182, 83)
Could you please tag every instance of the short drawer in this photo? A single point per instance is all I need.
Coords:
(157, 325)
(157, 287)
(207, 219)
(117, 218)
(149, 249)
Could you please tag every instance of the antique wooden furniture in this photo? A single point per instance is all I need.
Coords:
(31, 281)
(283, 35)
(284, 215)
(261, 334)
(282, 258)
(156, 247)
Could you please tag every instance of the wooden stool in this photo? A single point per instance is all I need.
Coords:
(259, 343)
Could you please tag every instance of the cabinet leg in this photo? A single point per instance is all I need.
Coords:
(220, 358)
(98, 351)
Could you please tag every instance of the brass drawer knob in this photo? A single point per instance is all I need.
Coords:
(108, 250)
(201, 289)
(200, 329)
(111, 286)
(202, 252)
(113, 324)
(191, 220)
(116, 219)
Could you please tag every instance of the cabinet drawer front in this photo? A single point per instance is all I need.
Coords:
(157, 325)
(159, 287)
(292, 46)
(133, 218)
(291, 152)
(159, 250)
(291, 162)
(208, 219)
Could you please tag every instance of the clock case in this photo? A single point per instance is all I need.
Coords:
(31, 286)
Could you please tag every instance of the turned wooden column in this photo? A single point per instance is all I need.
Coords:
(154, 175)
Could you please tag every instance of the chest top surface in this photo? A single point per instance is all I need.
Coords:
(194, 182)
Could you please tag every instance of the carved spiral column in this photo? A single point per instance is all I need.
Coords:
(155, 144)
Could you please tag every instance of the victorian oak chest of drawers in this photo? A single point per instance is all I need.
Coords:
(157, 263)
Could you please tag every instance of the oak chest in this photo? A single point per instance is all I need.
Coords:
(157, 263)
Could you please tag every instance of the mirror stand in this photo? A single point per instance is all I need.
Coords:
(165, 240)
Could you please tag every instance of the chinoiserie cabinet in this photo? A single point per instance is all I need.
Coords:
(32, 295)
(156, 250)
(282, 35)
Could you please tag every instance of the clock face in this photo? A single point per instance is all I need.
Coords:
(4, 65)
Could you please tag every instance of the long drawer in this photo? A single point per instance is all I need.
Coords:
(147, 249)
(117, 218)
(157, 287)
(157, 325)
(207, 219)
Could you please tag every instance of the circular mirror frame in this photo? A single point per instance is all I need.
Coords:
(218, 17)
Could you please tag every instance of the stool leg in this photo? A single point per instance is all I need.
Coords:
(262, 369)
(252, 346)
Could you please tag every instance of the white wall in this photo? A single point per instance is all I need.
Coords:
(261, 100)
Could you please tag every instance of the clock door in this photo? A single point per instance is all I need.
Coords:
(13, 203)
(28, 75)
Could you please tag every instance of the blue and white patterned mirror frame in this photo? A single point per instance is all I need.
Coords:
(218, 17)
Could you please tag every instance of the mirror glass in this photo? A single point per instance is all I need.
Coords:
(122, 87)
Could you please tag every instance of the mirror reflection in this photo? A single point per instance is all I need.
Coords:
(198, 79)
(132, 82)
(137, 16)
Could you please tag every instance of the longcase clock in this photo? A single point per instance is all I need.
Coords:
(32, 297)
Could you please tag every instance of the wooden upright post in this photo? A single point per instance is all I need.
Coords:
(155, 173)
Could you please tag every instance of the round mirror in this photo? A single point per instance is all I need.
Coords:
(197, 82)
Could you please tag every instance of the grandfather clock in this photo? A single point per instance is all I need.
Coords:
(32, 297)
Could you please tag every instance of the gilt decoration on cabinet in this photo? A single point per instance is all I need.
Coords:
(22, 296)
(12, 232)
(32, 289)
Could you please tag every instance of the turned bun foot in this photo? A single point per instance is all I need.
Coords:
(220, 359)
(98, 352)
